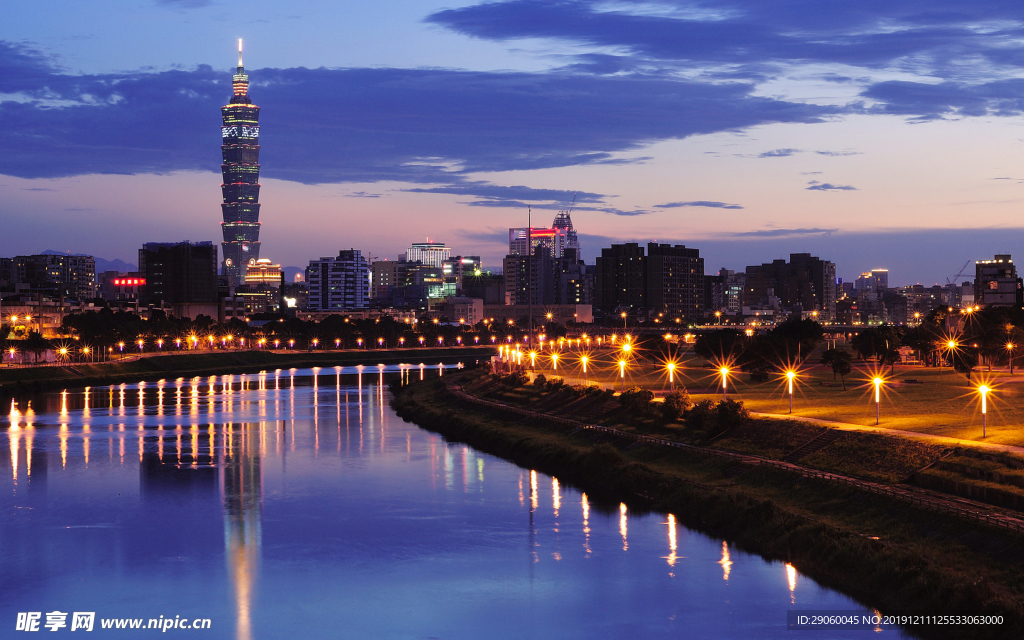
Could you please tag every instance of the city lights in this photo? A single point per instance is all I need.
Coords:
(790, 376)
(878, 382)
(983, 391)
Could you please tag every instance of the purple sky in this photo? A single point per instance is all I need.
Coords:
(875, 134)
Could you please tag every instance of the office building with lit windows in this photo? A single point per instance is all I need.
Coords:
(240, 149)
(340, 283)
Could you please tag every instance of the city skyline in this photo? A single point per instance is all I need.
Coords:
(893, 146)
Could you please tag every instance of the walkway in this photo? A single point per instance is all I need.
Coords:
(934, 439)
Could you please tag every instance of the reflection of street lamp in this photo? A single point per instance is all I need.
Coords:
(878, 395)
(725, 377)
(984, 390)
(790, 375)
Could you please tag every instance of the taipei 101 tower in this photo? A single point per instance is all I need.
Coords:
(241, 170)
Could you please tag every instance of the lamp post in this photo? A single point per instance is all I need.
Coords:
(725, 377)
(671, 367)
(1010, 347)
(790, 375)
(984, 391)
(622, 373)
(878, 395)
(584, 360)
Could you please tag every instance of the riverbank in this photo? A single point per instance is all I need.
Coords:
(14, 381)
(882, 551)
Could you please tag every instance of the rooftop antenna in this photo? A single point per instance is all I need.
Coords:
(239, 53)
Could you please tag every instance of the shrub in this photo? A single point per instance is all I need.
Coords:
(637, 400)
(701, 416)
(540, 380)
(515, 379)
(675, 406)
(730, 414)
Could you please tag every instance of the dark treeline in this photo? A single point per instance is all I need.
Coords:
(96, 333)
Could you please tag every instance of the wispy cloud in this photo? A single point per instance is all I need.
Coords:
(778, 233)
(778, 153)
(698, 203)
(826, 186)
(838, 154)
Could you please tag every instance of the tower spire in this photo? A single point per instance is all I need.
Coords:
(240, 55)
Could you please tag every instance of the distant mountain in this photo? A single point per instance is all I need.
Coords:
(101, 264)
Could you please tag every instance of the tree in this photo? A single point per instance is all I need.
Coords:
(964, 360)
(675, 406)
(36, 344)
(719, 346)
(841, 363)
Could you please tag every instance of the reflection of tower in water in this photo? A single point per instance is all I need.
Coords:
(242, 487)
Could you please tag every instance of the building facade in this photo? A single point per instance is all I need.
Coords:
(56, 275)
(805, 283)
(429, 253)
(675, 283)
(621, 275)
(179, 272)
(340, 283)
(240, 150)
(996, 283)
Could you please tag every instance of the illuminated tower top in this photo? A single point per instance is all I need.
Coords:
(240, 81)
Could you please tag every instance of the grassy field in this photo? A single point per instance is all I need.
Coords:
(913, 398)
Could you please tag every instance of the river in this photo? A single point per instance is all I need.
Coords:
(297, 504)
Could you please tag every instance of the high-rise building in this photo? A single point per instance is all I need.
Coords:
(340, 283)
(429, 253)
(564, 222)
(57, 274)
(179, 272)
(805, 283)
(675, 282)
(240, 149)
(621, 278)
(996, 283)
(554, 240)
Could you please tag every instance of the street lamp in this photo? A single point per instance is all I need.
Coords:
(584, 360)
(790, 375)
(671, 367)
(1010, 347)
(622, 373)
(533, 359)
(877, 381)
(554, 361)
(725, 378)
(984, 390)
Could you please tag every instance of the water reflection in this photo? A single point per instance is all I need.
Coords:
(277, 509)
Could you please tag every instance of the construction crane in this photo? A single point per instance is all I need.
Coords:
(959, 274)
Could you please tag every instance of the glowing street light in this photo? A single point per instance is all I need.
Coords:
(584, 360)
(725, 381)
(622, 373)
(790, 376)
(554, 361)
(671, 368)
(1010, 346)
(984, 390)
(877, 381)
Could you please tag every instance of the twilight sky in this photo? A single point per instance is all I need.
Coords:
(872, 133)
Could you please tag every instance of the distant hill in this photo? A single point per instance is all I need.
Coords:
(101, 264)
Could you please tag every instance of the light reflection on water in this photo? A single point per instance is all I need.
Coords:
(338, 519)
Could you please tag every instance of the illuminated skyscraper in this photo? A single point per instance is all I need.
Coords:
(241, 170)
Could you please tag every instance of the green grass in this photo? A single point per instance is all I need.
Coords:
(874, 457)
(943, 404)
